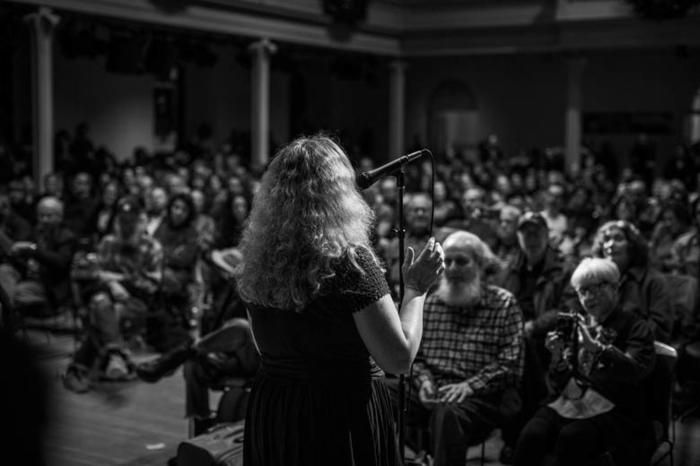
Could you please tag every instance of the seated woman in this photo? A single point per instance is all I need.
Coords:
(643, 289)
(596, 374)
(177, 235)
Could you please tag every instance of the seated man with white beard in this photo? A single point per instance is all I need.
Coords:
(470, 355)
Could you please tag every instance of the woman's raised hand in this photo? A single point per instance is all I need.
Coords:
(422, 271)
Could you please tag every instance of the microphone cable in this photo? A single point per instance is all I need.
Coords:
(430, 233)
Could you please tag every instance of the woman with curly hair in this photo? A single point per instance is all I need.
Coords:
(643, 290)
(322, 315)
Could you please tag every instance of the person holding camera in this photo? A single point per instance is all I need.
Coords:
(596, 374)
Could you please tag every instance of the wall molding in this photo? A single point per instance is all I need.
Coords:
(416, 28)
(242, 23)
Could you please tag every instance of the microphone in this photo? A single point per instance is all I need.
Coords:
(368, 178)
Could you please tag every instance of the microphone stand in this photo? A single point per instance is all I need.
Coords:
(401, 234)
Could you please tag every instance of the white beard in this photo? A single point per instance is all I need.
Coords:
(459, 293)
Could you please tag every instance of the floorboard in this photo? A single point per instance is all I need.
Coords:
(142, 424)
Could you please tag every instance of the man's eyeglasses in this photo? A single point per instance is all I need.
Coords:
(593, 288)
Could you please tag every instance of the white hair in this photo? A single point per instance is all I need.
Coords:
(595, 269)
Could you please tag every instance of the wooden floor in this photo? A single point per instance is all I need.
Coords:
(136, 423)
(130, 423)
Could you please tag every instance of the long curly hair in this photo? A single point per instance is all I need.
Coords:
(306, 215)
(638, 247)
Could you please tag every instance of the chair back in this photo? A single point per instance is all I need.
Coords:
(683, 290)
(660, 388)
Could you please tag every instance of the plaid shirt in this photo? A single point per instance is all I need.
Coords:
(482, 346)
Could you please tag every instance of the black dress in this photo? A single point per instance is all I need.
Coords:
(318, 398)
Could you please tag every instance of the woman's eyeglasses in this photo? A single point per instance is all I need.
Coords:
(593, 288)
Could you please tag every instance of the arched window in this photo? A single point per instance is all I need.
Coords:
(453, 119)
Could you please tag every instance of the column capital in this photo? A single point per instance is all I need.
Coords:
(43, 21)
(263, 45)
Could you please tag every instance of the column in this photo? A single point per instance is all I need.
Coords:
(42, 24)
(260, 104)
(572, 145)
(397, 107)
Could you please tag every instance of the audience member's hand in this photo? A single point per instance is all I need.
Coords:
(422, 272)
(555, 344)
(587, 341)
(119, 293)
(427, 394)
(107, 276)
(22, 247)
(529, 327)
(455, 392)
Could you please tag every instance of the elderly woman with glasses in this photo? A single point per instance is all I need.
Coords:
(643, 290)
(599, 363)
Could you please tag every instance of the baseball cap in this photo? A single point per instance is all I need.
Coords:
(532, 218)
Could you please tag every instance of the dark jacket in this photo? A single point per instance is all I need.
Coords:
(620, 371)
(645, 292)
(13, 228)
(552, 293)
(54, 253)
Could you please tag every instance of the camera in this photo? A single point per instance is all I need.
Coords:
(566, 324)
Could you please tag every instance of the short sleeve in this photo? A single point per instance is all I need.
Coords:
(356, 289)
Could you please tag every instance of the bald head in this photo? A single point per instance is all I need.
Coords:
(49, 211)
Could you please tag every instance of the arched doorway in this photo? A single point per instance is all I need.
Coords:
(453, 119)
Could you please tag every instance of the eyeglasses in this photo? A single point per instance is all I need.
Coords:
(593, 288)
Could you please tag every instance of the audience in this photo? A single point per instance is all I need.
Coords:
(507, 246)
(156, 201)
(81, 205)
(417, 226)
(119, 285)
(471, 356)
(180, 289)
(674, 221)
(596, 374)
(643, 290)
(36, 277)
(685, 252)
(557, 222)
(538, 278)
(646, 226)
(473, 216)
(102, 220)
